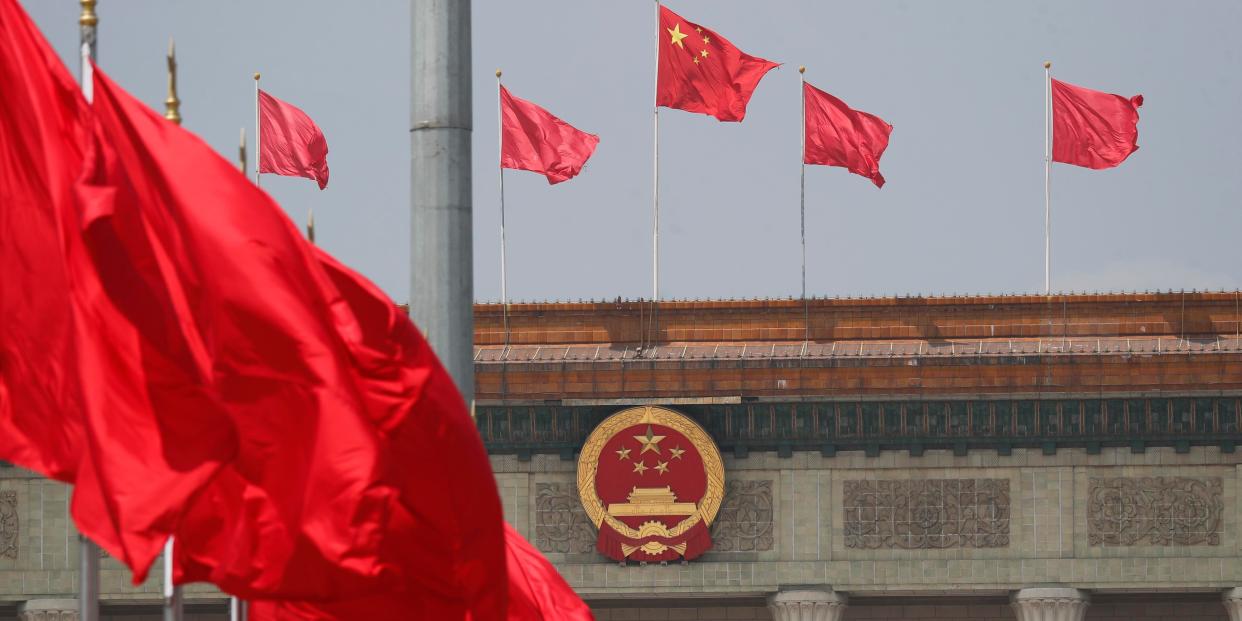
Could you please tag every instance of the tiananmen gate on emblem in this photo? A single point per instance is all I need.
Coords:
(651, 480)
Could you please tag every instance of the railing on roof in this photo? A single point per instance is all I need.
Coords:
(860, 349)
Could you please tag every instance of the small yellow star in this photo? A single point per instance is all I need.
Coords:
(676, 452)
(662, 466)
(675, 31)
(623, 453)
(703, 52)
(640, 467)
(650, 442)
(696, 60)
(698, 30)
(707, 40)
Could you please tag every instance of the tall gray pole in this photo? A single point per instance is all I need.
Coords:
(441, 248)
(88, 552)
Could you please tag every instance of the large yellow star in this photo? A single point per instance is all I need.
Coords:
(640, 467)
(650, 442)
(662, 466)
(623, 453)
(677, 35)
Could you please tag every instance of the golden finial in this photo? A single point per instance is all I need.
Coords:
(241, 152)
(802, 69)
(256, 76)
(1047, 64)
(498, 73)
(88, 17)
(172, 105)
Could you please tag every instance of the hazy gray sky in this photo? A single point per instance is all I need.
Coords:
(961, 82)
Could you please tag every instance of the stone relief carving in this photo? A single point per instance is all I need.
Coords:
(8, 524)
(1156, 511)
(744, 522)
(927, 514)
(561, 525)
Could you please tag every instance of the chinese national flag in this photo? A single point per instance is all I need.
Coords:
(1093, 129)
(837, 135)
(532, 139)
(291, 144)
(700, 71)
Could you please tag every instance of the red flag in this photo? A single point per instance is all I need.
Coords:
(75, 400)
(532, 139)
(700, 71)
(41, 128)
(341, 410)
(1093, 129)
(837, 135)
(537, 592)
(290, 142)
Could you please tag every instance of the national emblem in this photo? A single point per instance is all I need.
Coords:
(638, 519)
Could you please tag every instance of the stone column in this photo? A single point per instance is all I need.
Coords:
(1050, 604)
(48, 610)
(1233, 603)
(808, 605)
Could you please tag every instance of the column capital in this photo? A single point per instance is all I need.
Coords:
(48, 610)
(1232, 599)
(808, 605)
(1050, 604)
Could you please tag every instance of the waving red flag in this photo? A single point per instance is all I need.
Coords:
(837, 135)
(537, 592)
(1093, 129)
(290, 142)
(700, 71)
(41, 128)
(532, 139)
(339, 406)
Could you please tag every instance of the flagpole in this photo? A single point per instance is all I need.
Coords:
(500, 166)
(258, 131)
(1047, 178)
(172, 593)
(655, 174)
(806, 312)
(88, 551)
(237, 607)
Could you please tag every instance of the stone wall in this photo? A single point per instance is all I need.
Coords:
(955, 612)
(936, 523)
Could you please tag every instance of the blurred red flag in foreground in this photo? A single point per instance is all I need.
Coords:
(532, 139)
(290, 143)
(1092, 128)
(837, 135)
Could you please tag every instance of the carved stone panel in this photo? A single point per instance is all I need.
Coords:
(561, 525)
(1155, 511)
(8, 524)
(927, 514)
(744, 523)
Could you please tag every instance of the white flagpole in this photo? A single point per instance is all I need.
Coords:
(1047, 178)
(500, 149)
(655, 174)
(806, 313)
(258, 131)
(88, 551)
(172, 593)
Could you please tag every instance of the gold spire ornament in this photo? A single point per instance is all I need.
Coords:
(88, 17)
(172, 105)
(241, 153)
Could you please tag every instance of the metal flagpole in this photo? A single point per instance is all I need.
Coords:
(241, 153)
(88, 552)
(655, 175)
(258, 131)
(1047, 178)
(806, 312)
(172, 593)
(500, 154)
